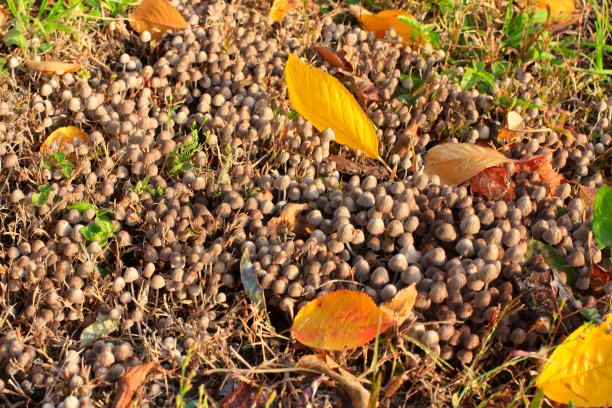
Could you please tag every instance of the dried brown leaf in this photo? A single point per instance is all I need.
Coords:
(455, 163)
(358, 394)
(290, 220)
(133, 379)
(335, 58)
(156, 17)
(587, 195)
(348, 167)
(407, 139)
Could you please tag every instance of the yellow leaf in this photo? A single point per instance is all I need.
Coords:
(455, 163)
(156, 17)
(61, 137)
(326, 103)
(580, 369)
(52, 67)
(559, 9)
(381, 22)
(340, 320)
(400, 307)
(281, 7)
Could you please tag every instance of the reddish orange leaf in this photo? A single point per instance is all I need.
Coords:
(340, 320)
(133, 379)
(61, 137)
(601, 274)
(335, 58)
(281, 7)
(381, 22)
(52, 67)
(542, 165)
(156, 17)
(492, 183)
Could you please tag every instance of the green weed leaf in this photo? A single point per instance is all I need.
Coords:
(602, 217)
(96, 331)
(40, 199)
(81, 207)
(553, 259)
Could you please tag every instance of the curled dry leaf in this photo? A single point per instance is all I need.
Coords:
(349, 167)
(340, 320)
(514, 123)
(587, 195)
(291, 219)
(52, 67)
(156, 17)
(61, 137)
(337, 59)
(455, 163)
(493, 183)
(407, 139)
(400, 307)
(326, 103)
(281, 7)
(358, 394)
(600, 273)
(579, 370)
(133, 379)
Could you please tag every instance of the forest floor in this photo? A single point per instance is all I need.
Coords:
(121, 245)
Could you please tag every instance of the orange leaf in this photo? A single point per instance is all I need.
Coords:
(133, 379)
(61, 137)
(600, 273)
(559, 9)
(455, 163)
(335, 58)
(545, 171)
(281, 7)
(340, 320)
(492, 183)
(513, 124)
(381, 22)
(52, 67)
(3, 16)
(157, 17)
(400, 307)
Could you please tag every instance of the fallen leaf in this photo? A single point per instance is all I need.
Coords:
(345, 166)
(580, 369)
(281, 7)
(560, 10)
(3, 16)
(492, 183)
(156, 17)
(249, 281)
(602, 217)
(408, 138)
(400, 306)
(514, 123)
(326, 103)
(381, 22)
(132, 381)
(290, 219)
(245, 396)
(97, 330)
(600, 273)
(61, 137)
(52, 67)
(340, 320)
(455, 163)
(366, 91)
(335, 58)
(309, 392)
(587, 195)
(542, 165)
(358, 394)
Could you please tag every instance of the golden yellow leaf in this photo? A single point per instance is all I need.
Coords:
(326, 103)
(156, 17)
(61, 137)
(52, 67)
(400, 307)
(281, 7)
(455, 163)
(381, 22)
(340, 320)
(580, 369)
